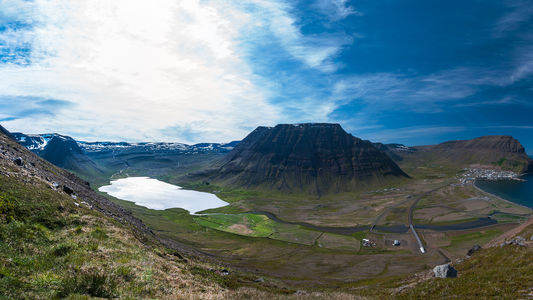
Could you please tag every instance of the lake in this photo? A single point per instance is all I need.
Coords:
(512, 190)
(155, 194)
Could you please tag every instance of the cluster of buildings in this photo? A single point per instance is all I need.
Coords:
(472, 174)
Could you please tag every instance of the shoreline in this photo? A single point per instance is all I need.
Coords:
(500, 198)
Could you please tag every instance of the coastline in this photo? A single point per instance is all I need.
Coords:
(500, 198)
(510, 233)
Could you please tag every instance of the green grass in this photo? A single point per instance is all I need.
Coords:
(508, 218)
(468, 239)
(253, 225)
(443, 223)
(260, 226)
(50, 248)
(495, 273)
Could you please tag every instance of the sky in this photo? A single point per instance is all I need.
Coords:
(405, 71)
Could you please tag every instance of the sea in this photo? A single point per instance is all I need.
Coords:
(520, 192)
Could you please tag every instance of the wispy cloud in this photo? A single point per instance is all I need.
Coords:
(30, 108)
(336, 9)
(503, 101)
(520, 11)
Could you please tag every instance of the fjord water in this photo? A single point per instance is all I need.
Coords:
(520, 192)
(159, 195)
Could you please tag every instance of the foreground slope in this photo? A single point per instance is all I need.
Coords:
(317, 158)
(501, 270)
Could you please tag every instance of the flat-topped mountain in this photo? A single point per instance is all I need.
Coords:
(315, 158)
(496, 151)
(496, 143)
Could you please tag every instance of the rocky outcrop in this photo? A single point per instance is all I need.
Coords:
(315, 158)
(517, 241)
(444, 271)
(473, 250)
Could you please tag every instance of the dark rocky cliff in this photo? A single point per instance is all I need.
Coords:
(316, 158)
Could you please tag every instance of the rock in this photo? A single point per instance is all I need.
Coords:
(224, 272)
(517, 241)
(473, 250)
(444, 271)
(68, 190)
(259, 280)
(55, 185)
(18, 161)
(531, 238)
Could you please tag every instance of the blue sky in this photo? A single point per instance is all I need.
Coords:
(413, 72)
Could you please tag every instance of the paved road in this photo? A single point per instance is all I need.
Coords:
(386, 211)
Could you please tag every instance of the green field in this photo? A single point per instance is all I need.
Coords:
(467, 239)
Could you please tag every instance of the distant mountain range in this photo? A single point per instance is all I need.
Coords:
(315, 158)
(102, 159)
(39, 142)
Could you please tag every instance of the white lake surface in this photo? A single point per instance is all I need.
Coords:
(159, 195)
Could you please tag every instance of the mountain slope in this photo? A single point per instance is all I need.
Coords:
(62, 151)
(317, 158)
(497, 151)
(5, 132)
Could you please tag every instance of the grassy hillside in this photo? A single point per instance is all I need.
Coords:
(496, 272)
(53, 248)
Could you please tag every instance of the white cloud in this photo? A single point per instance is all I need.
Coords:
(134, 68)
(139, 70)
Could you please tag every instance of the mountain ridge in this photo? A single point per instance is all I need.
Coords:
(499, 151)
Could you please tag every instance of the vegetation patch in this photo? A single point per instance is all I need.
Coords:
(498, 272)
(468, 239)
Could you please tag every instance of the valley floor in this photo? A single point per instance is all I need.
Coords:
(315, 243)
